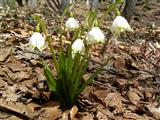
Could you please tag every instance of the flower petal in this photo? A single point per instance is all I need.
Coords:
(78, 46)
(37, 40)
(95, 36)
(119, 25)
(71, 24)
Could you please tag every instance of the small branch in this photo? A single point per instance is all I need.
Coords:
(4, 109)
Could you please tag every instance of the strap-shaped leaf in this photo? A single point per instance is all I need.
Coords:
(50, 79)
(91, 78)
(62, 77)
(90, 19)
(75, 68)
(81, 70)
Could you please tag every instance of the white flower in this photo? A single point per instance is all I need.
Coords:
(71, 24)
(71, 1)
(119, 25)
(87, 2)
(37, 40)
(95, 36)
(78, 46)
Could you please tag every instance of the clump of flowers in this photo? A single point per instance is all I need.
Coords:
(71, 63)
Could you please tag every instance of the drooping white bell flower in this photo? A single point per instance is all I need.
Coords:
(95, 35)
(120, 24)
(71, 24)
(87, 2)
(37, 40)
(71, 1)
(78, 46)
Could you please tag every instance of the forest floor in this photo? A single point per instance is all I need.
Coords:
(127, 89)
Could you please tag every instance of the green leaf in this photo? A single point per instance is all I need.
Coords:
(65, 84)
(90, 19)
(79, 74)
(75, 67)
(50, 79)
(83, 85)
(67, 10)
(62, 73)
(117, 12)
(82, 72)
(110, 8)
(41, 23)
(119, 1)
(69, 61)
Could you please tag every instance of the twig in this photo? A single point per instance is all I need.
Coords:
(4, 109)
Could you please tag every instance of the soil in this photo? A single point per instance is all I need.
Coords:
(126, 89)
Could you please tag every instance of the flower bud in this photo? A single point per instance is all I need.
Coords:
(37, 40)
(78, 46)
(95, 35)
(71, 24)
(119, 25)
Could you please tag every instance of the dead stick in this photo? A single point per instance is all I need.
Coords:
(22, 116)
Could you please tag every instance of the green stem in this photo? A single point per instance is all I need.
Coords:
(61, 32)
(53, 53)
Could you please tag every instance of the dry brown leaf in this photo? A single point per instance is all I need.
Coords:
(13, 118)
(33, 107)
(136, 49)
(121, 46)
(86, 76)
(18, 108)
(24, 33)
(73, 112)
(50, 113)
(114, 100)
(65, 116)
(4, 115)
(10, 93)
(155, 111)
(19, 76)
(104, 113)
(16, 66)
(101, 93)
(119, 63)
(4, 53)
(148, 93)
(85, 116)
(133, 97)
(101, 116)
(133, 116)
(3, 84)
